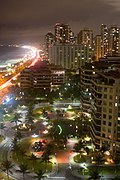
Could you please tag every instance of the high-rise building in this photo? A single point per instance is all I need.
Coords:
(97, 47)
(85, 37)
(100, 87)
(49, 41)
(62, 33)
(110, 41)
(72, 39)
(113, 41)
(86, 74)
(104, 40)
(105, 124)
(70, 56)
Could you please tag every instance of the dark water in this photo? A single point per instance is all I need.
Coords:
(8, 53)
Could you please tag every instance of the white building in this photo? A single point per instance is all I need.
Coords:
(70, 56)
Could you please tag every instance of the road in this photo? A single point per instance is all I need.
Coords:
(64, 172)
(4, 87)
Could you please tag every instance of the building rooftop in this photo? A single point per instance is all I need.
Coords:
(113, 74)
(102, 64)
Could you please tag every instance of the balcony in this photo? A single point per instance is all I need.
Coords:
(96, 96)
(97, 89)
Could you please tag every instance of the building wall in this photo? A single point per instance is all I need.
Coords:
(42, 77)
(100, 96)
(62, 33)
(70, 56)
(85, 37)
(97, 47)
(105, 111)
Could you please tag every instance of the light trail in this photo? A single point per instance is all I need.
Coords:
(8, 83)
(33, 55)
(33, 63)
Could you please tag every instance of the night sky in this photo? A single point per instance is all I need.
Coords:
(27, 21)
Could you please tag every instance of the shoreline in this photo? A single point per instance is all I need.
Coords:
(10, 61)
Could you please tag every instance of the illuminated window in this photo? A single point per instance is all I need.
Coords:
(115, 104)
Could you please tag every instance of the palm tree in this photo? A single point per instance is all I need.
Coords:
(49, 148)
(94, 174)
(15, 146)
(6, 166)
(72, 98)
(2, 127)
(83, 123)
(78, 146)
(40, 174)
(23, 168)
(16, 120)
(30, 114)
(45, 157)
(33, 158)
(53, 133)
(98, 158)
(22, 153)
(18, 135)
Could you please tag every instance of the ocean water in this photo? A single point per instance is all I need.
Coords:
(10, 54)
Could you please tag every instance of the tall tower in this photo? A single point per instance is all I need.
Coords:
(62, 33)
(71, 37)
(97, 47)
(49, 40)
(85, 37)
(104, 40)
(113, 41)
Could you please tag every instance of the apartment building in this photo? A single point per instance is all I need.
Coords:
(70, 56)
(85, 37)
(100, 96)
(105, 105)
(42, 76)
(62, 33)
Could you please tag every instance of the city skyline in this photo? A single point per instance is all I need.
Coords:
(28, 21)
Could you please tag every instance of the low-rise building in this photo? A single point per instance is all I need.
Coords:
(42, 76)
